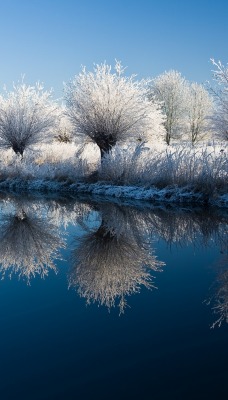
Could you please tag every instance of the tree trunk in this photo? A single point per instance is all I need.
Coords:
(168, 138)
(105, 143)
(18, 149)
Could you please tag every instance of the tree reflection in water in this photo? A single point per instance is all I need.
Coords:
(201, 228)
(219, 298)
(28, 245)
(113, 261)
(182, 227)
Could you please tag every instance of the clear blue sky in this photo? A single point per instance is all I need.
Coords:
(48, 40)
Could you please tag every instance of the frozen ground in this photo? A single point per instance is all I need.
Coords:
(178, 173)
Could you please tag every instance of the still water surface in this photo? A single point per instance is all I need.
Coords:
(112, 301)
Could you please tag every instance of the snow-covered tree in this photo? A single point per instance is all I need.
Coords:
(63, 133)
(220, 93)
(199, 109)
(28, 115)
(171, 89)
(109, 107)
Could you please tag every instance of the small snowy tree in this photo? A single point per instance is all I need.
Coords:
(170, 89)
(220, 93)
(199, 108)
(63, 133)
(28, 116)
(110, 107)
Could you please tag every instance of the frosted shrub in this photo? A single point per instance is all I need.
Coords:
(204, 168)
(47, 162)
(125, 165)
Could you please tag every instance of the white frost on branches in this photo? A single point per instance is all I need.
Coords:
(109, 107)
(28, 116)
(199, 109)
(220, 93)
(171, 89)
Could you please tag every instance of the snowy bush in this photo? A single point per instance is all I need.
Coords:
(56, 161)
(204, 167)
(129, 165)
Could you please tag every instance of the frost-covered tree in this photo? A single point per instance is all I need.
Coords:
(171, 89)
(109, 107)
(220, 93)
(63, 133)
(28, 115)
(199, 109)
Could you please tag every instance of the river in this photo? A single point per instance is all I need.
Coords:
(103, 300)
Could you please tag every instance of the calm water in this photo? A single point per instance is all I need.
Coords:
(110, 301)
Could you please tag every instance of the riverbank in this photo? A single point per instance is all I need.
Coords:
(174, 174)
(169, 194)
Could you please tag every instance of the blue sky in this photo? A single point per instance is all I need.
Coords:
(49, 40)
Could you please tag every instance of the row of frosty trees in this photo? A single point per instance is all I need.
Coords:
(109, 107)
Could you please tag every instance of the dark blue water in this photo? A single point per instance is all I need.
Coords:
(91, 327)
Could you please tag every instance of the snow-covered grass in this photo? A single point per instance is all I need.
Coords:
(204, 169)
(57, 162)
(152, 172)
